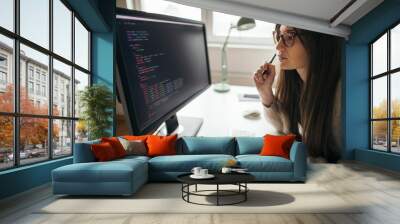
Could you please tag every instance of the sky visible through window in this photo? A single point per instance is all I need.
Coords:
(380, 90)
(395, 47)
(6, 14)
(32, 11)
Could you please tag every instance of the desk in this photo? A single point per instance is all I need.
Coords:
(222, 113)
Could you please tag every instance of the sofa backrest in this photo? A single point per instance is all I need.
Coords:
(206, 145)
(83, 152)
(249, 145)
(190, 146)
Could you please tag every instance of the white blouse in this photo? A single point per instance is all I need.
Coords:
(280, 121)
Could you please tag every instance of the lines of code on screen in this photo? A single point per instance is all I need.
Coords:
(165, 64)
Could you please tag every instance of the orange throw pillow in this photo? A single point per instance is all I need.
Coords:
(103, 151)
(277, 145)
(116, 145)
(161, 145)
(135, 137)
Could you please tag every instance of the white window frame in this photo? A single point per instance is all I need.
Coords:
(3, 77)
(31, 88)
(6, 61)
(207, 17)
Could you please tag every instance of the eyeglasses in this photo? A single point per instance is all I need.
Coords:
(287, 38)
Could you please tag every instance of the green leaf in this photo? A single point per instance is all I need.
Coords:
(96, 102)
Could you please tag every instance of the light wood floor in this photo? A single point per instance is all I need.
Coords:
(378, 188)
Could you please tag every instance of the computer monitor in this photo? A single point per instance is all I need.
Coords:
(163, 65)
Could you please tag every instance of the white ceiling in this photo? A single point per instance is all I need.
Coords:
(320, 9)
(313, 15)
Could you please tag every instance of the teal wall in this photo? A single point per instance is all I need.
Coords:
(356, 108)
(99, 16)
(103, 53)
(24, 178)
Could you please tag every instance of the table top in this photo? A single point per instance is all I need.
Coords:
(223, 113)
(220, 178)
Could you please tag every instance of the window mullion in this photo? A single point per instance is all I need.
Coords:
(50, 82)
(16, 85)
(371, 98)
(73, 82)
(389, 76)
(90, 55)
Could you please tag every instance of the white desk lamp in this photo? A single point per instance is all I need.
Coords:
(243, 24)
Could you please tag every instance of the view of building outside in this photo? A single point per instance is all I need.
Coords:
(34, 99)
(41, 126)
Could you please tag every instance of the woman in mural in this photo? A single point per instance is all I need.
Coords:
(307, 97)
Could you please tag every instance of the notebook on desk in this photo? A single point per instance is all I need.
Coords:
(248, 97)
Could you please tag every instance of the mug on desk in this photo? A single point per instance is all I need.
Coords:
(203, 172)
(196, 171)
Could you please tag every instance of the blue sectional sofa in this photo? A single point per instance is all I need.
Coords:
(125, 176)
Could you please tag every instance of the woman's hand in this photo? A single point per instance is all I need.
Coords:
(264, 78)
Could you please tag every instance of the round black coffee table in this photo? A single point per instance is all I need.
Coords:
(238, 179)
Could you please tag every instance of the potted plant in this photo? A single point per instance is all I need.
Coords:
(96, 103)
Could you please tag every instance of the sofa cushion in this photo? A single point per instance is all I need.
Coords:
(111, 171)
(185, 163)
(134, 147)
(257, 163)
(249, 145)
(132, 158)
(277, 145)
(161, 145)
(116, 145)
(135, 137)
(103, 152)
(83, 152)
(206, 145)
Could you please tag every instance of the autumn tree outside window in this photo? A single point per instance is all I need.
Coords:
(385, 91)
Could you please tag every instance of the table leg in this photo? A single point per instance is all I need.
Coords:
(217, 194)
(182, 190)
(188, 190)
(196, 188)
(245, 193)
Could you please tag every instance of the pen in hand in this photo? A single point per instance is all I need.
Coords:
(270, 61)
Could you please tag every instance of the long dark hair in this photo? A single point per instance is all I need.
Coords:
(312, 103)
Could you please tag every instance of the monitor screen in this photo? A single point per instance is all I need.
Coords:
(163, 65)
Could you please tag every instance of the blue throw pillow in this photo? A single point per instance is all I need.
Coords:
(249, 145)
(206, 145)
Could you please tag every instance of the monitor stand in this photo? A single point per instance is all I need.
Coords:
(183, 126)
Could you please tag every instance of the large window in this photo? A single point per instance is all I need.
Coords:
(44, 64)
(171, 9)
(222, 22)
(217, 23)
(385, 91)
